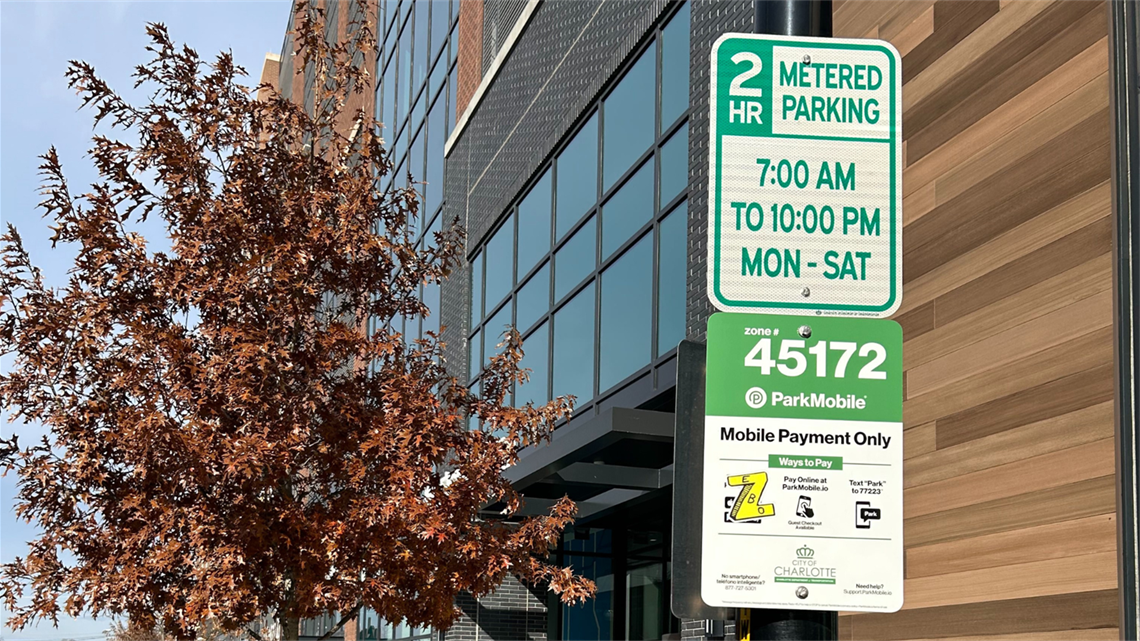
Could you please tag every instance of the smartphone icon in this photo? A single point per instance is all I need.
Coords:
(864, 514)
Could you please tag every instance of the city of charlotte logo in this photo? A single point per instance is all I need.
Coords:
(804, 569)
(746, 506)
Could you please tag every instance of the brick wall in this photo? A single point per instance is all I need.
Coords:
(514, 612)
(270, 75)
(470, 70)
(695, 629)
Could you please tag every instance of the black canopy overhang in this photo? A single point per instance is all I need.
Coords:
(615, 457)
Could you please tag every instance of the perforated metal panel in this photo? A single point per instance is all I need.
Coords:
(499, 17)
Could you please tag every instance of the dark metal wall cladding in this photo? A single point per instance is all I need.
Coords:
(710, 19)
(499, 17)
(566, 54)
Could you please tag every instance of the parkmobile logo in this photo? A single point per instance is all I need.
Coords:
(832, 401)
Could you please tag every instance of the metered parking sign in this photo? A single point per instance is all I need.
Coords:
(805, 176)
(803, 461)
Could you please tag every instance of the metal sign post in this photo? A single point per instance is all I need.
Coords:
(808, 18)
(801, 469)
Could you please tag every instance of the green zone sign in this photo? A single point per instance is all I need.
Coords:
(803, 464)
(805, 176)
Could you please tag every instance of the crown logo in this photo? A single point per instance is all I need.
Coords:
(805, 552)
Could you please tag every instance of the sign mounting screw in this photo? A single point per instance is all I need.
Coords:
(805, 331)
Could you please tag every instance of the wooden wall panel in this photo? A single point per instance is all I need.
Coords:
(1069, 616)
(1006, 316)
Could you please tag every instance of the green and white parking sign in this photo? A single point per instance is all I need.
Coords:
(802, 494)
(805, 176)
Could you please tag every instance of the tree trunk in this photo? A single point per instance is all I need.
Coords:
(290, 628)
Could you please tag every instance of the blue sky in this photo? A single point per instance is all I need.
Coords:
(37, 110)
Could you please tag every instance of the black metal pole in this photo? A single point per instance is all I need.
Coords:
(1124, 60)
(793, 17)
(790, 18)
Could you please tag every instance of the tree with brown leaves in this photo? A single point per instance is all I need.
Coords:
(226, 441)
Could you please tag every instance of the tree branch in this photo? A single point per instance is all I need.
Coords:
(343, 620)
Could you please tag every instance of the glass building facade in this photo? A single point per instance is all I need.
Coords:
(629, 564)
(589, 263)
(415, 103)
(370, 627)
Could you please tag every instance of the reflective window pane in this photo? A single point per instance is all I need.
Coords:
(672, 261)
(475, 354)
(411, 331)
(380, 83)
(675, 67)
(387, 110)
(433, 191)
(476, 289)
(416, 169)
(439, 24)
(399, 147)
(587, 539)
(429, 238)
(627, 210)
(500, 263)
(576, 259)
(399, 179)
(431, 299)
(419, 108)
(574, 347)
(421, 57)
(533, 299)
(472, 420)
(675, 164)
(645, 589)
(493, 333)
(534, 225)
(438, 73)
(405, 60)
(591, 620)
(577, 177)
(452, 83)
(536, 358)
(629, 118)
(416, 159)
(627, 302)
